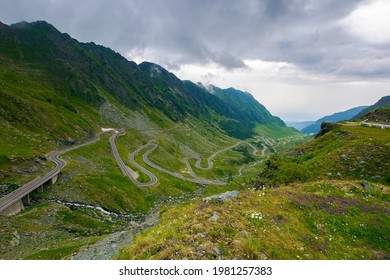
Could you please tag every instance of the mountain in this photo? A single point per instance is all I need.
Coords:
(377, 112)
(86, 71)
(57, 91)
(345, 115)
(246, 105)
(299, 125)
(237, 105)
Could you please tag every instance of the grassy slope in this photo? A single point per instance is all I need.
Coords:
(322, 220)
(274, 130)
(35, 120)
(347, 152)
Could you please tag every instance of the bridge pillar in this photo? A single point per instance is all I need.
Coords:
(54, 179)
(13, 209)
(40, 189)
(26, 200)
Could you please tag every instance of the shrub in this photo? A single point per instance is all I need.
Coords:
(280, 170)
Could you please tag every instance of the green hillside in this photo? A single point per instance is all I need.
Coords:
(345, 152)
(383, 103)
(381, 115)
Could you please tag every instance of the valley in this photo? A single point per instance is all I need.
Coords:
(121, 160)
(85, 211)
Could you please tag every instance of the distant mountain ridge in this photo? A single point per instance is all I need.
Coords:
(340, 116)
(299, 125)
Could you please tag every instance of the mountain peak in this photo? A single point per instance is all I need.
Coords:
(151, 67)
(199, 84)
(34, 24)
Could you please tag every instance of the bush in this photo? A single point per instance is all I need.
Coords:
(292, 172)
(281, 170)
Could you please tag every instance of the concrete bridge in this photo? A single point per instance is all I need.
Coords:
(15, 201)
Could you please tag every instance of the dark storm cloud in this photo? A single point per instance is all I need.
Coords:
(177, 32)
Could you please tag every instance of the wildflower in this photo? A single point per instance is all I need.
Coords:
(256, 215)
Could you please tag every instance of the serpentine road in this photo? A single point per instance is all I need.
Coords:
(152, 147)
(254, 153)
(209, 160)
(127, 171)
(153, 179)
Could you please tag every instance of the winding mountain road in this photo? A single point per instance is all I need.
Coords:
(210, 158)
(196, 178)
(127, 171)
(152, 147)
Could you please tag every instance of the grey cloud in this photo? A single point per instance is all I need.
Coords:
(227, 60)
(176, 32)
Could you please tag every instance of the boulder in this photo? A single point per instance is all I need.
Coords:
(222, 197)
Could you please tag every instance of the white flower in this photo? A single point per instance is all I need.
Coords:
(256, 215)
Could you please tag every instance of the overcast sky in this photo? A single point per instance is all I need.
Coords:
(302, 59)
